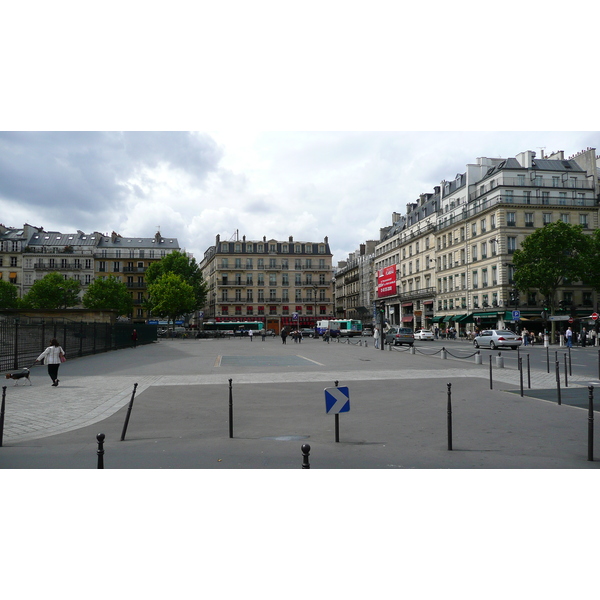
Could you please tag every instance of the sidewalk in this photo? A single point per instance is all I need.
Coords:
(180, 416)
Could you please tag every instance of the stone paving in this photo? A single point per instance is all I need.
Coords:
(84, 398)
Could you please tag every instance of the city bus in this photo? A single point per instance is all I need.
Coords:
(349, 327)
(234, 327)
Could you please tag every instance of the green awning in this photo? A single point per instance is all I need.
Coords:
(437, 319)
(464, 319)
(448, 318)
(483, 315)
(458, 318)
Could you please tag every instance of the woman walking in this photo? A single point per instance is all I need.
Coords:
(53, 356)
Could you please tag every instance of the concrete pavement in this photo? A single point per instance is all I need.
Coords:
(398, 414)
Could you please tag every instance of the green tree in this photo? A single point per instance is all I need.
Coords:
(53, 291)
(551, 257)
(9, 297)
(170, 296)
(108, 294)
(591, 275)
(180, 264)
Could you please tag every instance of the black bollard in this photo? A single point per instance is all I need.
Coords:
(230, 409)
(449, 416)
(305, 453)
(337, 421)
(521, 374)
(491, 385)
(590, 422)
(566, 379)
(100, 437)
(128, 412)
(570, 364)
(548, 358)
(2, 406)
(528, 373)
(557, 369)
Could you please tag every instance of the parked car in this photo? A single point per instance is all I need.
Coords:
(424, 334)
(399, 336)
(307, 332)
(497, 338)
(367, 331)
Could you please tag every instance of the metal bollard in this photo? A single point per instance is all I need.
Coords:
(490, 371)
(128, 412)
(590, 422)
(478, 358)
(230, 409)
(2, 406)
(566, 380)
(305, 453)
(500, 361)
(528, 373)
(443, 353)
(521, 375)
(557, 370)
(100, 437)
(449, 416)
(412, 350)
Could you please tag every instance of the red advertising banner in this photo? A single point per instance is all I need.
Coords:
(386, 282)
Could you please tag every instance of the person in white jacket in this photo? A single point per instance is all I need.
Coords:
(53, 355)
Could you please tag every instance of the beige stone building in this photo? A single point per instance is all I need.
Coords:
(279, 283)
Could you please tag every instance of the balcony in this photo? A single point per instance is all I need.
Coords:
(134, 269)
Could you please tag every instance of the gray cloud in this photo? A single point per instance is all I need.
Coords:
(85, 173)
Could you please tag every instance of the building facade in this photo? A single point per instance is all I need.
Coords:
(280, 283)
(452, 250)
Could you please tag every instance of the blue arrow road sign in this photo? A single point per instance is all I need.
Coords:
(337, 400)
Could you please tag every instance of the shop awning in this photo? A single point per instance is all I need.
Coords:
(407, 319)
(489, 315)
(457, 318)
(448, 318)
(463, 319)
(437, 319)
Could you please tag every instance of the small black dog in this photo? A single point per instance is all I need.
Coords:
(19, 374)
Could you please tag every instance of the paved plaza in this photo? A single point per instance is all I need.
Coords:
(398, 414)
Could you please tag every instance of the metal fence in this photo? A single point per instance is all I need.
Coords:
(22, 342)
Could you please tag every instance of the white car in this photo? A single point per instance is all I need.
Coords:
(424, 334)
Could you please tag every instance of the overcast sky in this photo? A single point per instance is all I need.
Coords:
(194, 185)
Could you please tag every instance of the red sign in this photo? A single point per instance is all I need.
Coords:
(386, 282)
(595, 316)
(571, 320)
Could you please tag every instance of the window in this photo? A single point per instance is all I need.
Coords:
(547, 218)
(116, 267)
(545, 197)
(528, 219)
(474, 230)
(484, 277)
(494, 275)
(511, 219)
(483, 226)
(583, 221)
(562, 198)
(249, 310)
(475, 278)
(508, 196)
(527, 197)
(555, 181)
(564, 217)
(473, 253)
(511, 244)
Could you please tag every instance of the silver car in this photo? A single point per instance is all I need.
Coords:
(497, 338)
(399, 336)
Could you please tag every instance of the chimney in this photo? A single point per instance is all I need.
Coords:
(525, 159)
(291, 238)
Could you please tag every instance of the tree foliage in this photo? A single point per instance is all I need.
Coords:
(9, 297)
(591, 274)
(53, 291)
(108, 294)
(171, 296)
(180, 264)
(550, 257)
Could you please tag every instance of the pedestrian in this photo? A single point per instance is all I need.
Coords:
(53, 355)
(134, 338)
(376, 337)
(263, 334)
(525, 337)
(283, 335)
(250, 334)
(583, 337)
(569, 336)
(299, 337)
